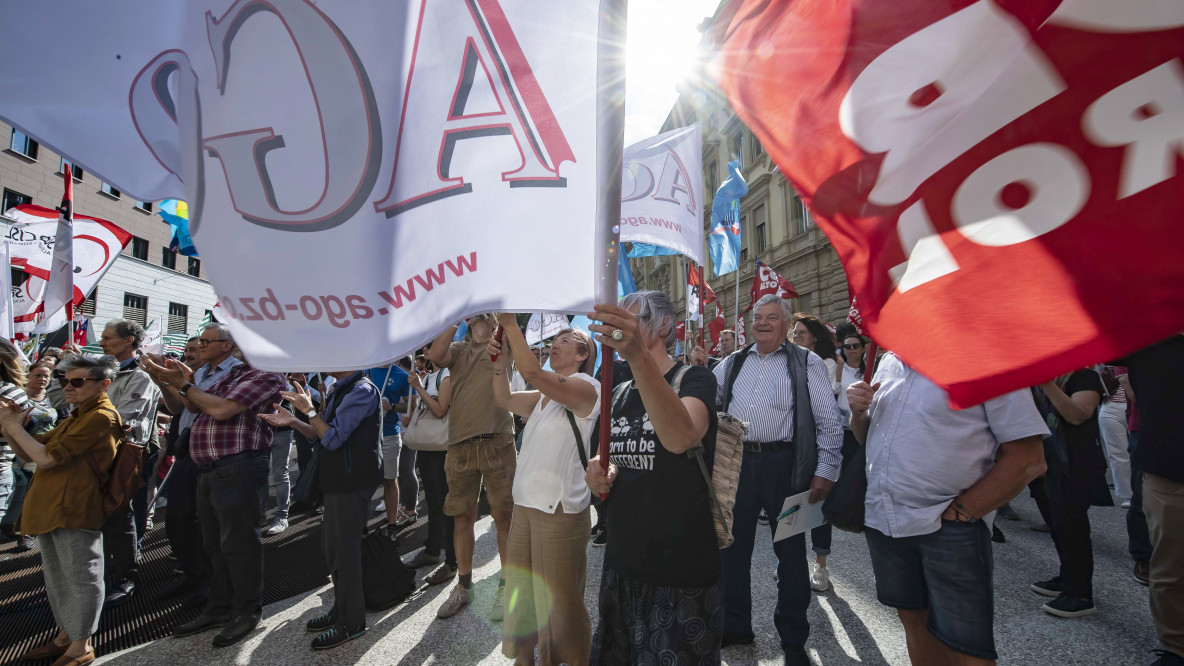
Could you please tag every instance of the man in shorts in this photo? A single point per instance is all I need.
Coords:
(932, 489)
(480, 448)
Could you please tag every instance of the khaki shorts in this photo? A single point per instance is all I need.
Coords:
(469, 462)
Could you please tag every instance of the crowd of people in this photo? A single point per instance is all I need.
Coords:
(490, 418)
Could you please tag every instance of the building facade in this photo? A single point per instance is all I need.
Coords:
(148, 282)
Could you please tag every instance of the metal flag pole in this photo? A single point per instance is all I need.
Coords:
(686, 286)
(610, 147)
(702, 298)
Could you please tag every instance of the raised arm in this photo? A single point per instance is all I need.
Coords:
(440, 353)
(521, 403)
(578, 396)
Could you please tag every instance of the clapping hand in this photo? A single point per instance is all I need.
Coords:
(166, 371)
(11, 414)
(280, 418)
(299, 399)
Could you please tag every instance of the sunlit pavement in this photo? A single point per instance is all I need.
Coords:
(848, 625)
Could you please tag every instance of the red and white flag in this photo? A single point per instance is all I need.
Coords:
(741, 336)
(694, 288)
(716, 328)
(767, 281)
(59, 290)
(981, 167)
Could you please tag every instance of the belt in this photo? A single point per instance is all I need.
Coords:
(765, 447)
(234, 457)
(489, 436)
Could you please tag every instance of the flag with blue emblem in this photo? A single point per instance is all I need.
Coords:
(723, 243)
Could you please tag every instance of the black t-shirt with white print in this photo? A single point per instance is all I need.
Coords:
(660, 529)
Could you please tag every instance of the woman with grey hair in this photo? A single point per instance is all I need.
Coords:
(660, 594)
(64, 505)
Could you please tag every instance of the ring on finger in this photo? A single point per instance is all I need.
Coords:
(618, 335)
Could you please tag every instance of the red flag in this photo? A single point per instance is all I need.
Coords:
(979, 167)
(80, 333)
(716, 328)
(767, 281)
(680, 331)
(741, 337)
(693, 282)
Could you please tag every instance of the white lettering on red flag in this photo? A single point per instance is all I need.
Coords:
(982, 167)
(358, 176)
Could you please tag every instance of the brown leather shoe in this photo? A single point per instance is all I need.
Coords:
(46, 651)
(76, 661)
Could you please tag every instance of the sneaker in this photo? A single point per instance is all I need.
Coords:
(405, 518)
(457, 599)
(441, 574)
(596, 530)
(819, 578)
(762, 518)
(334, 637)
(321, 622)
(277, 527)
(25, 542)
(381, 506)
(600, 539)
(1070, 607)
(498, 612)
(119, 593)
(1052, 587)
(423, 559)
(1167, 659)
(148, 524)
(1007, 512)
(1126, 504)
(1143, 571)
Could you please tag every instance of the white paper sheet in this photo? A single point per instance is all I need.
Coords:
(798, 515)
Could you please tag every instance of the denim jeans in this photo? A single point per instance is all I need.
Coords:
(228, 509)
(1138, 537)
(764, 484)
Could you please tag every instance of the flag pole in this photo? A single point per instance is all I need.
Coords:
(610, 147)
(702, 297)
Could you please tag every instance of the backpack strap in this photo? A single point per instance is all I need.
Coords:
(571, 418)
(732, 371)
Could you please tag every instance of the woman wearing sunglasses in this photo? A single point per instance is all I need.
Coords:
(64, 505)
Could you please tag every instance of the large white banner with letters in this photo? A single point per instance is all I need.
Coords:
(662, 192)
(359, 174)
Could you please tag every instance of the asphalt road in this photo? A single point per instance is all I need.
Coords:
(848, 625)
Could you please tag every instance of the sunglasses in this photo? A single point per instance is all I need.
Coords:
(852, 346)
(77, 382)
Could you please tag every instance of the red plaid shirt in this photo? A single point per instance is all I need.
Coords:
(210, 440)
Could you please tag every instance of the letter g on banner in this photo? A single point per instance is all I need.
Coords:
(345, 106)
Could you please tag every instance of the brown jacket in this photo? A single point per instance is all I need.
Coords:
(68, 495)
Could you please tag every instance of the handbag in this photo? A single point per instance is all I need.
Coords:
(426, 432)
(844, 506)
(307, 489)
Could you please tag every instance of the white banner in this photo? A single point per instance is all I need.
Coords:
(359, 175)
(153, 338)
(662, 192)
(7, 329)
(544, 325)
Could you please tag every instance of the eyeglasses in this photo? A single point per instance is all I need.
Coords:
(77, 382)
(800, 334)
(852, 346)
(205, 341)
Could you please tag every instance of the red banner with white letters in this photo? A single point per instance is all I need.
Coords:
(766, 281)
(1001, 180)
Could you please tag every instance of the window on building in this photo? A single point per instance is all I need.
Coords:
(711, 177)
(21, 143)
(76, 171)
(760, 228)
(194, 267)
(209, 316)
(178, 318)
(106, 188)
(87, 309)
(145, 206)
(135, 308)
(757, 149)
(736, 146)
(12, 198)
(744, 239)
(168, 258)
(800, 219)
(139, 248)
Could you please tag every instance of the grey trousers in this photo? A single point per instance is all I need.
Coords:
(281, 451)
(72, 561)
(345, 518)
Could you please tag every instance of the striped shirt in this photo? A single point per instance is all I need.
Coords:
(16, 394)
(763, 397)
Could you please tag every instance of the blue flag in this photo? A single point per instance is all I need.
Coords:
(625, 284)
(724, 241)
(649, 250)
(176, 213)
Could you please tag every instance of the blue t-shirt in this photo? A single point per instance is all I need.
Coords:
(395, 391)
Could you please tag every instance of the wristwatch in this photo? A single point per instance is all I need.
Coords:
(312, 414)
(185, 389)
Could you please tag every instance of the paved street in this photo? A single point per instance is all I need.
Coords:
(849, 626)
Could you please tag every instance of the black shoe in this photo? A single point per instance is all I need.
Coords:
(1167, 659)
(597, 529)
(179, 586)
(198, 600)
(1007, 512)
(321, 622)
(119, 594)
(1143, 571)
(202, 623)
(736, 639)
(796, 656)
(334, 637)
(600, 539)
(1070, 607)
(1052, 587)
(997, 534)
(237, 630)
(25, 542)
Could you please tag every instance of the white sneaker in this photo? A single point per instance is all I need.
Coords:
(457, 599)
(498, 612)
(819, 578)
(381, 506)
(1126, 504)
(277, 527)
